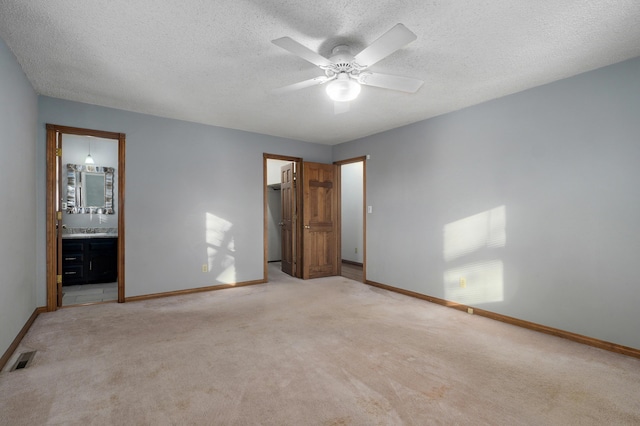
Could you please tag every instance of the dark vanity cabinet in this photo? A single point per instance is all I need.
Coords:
(73, 270)
(89, 260)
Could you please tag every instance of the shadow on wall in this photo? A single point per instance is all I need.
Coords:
(220, 249)
(474, 274)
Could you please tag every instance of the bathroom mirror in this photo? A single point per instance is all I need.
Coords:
(89, 189)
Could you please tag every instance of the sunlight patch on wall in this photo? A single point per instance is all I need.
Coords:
(483, 283)
(217, 229)
(468, 280)
(468, 235)
(228, 275)
(220, 248)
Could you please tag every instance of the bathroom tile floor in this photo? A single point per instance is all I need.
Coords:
(89, 293)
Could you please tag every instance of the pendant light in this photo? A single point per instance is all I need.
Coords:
(89, 159)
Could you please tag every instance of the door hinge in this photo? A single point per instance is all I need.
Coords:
(59, 279)
(58, 152)
(294, 176)
(59, 215)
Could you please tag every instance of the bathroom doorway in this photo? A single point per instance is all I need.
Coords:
(85, 216)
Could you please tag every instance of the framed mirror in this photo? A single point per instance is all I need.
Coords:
(89, 189)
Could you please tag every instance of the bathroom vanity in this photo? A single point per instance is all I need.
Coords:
(89, 259)
(89, 254)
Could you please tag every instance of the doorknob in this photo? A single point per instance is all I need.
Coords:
(307, 227)
(281, 223)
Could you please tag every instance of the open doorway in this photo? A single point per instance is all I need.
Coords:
(281, 246)
(352, 218)
(90, 202)
(85, 216)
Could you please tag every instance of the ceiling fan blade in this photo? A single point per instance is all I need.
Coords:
(341, 107)
(387, 81)
(394, 39)
(305, 53)
(301, 85)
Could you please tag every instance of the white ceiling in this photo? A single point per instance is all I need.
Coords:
(213, 62)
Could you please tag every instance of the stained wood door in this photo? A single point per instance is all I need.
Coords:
(288, 234)
(320, 213)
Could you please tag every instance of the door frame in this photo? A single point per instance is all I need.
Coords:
(298, 242)
(340, 163)
(52, 204)
(298, 161)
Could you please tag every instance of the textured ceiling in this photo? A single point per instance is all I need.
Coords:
(213, 62)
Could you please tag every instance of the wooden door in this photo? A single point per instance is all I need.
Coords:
(288, 234)
(320, 213)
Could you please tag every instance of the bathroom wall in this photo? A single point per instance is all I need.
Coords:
(105, 154)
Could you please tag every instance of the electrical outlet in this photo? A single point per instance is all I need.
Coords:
(463, 282)
(204, 268)
(470, 311)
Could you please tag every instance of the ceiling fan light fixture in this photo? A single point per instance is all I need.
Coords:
(343, 88)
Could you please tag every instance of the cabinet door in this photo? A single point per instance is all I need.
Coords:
(103, 260)
(73, 262)
(72, 274)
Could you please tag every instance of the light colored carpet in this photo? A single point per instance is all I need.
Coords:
(329, 351)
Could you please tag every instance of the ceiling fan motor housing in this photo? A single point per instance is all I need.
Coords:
(342, 62)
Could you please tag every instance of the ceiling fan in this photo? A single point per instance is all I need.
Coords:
(345, 72)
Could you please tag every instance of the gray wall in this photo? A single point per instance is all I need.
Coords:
(18, 115)
(194, 196)
(532, 198)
